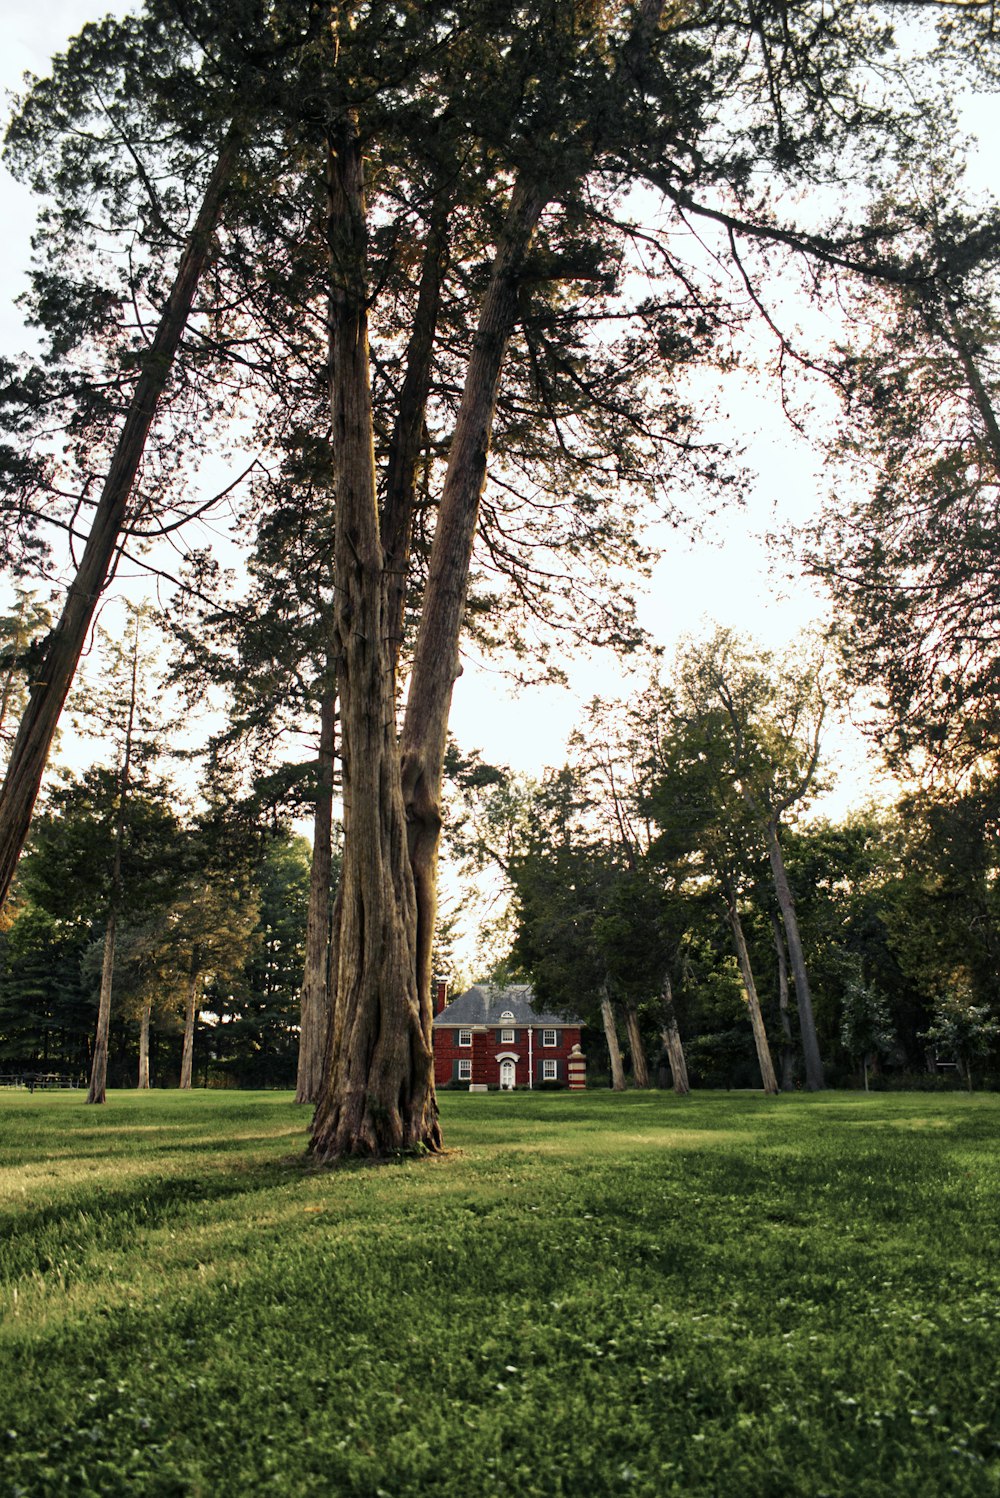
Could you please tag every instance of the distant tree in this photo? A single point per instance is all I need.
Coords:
(770, 716)
(865, 1028)
(205, 935)
(57, 923)
(257, 1004)
(121, 707)
(963, 1031)
(702, 823)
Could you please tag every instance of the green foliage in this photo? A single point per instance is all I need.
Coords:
(865, 1027)
(702, 1296)
(962, 1030)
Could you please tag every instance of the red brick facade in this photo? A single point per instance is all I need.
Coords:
(487, 1051)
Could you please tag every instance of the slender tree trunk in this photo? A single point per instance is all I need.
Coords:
(66, 641)
(97, 1092)
(187, 1054)
(803, 996)
(640, 1069)
(769, 1080)
(99, 1070)
(787, 1041)
(315, 1016)
(378, 1086)
(611, 1036)
(143, 1082)
(672, 1041)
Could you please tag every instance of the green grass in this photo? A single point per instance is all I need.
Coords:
(589, 1295)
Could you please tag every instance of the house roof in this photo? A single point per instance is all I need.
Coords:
(488, 1004)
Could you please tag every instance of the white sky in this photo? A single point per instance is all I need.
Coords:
(727, 579)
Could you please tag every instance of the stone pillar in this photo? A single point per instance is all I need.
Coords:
(576, 1069)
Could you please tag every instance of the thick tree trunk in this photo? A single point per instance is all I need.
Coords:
(378, 1089)
(378, 1086)
(803, 997)
(66, 641)
(611, 1036)
(143, 1082)
(97, 1092)
(769, 1080)
(187, 1053)
(640, 1070)
(315, 1013)
(787, 1041)
(671, 1036)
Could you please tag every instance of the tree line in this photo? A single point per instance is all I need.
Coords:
(668, 885)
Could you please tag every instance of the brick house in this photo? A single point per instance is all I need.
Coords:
(494, 1037)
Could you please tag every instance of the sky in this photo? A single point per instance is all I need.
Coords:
(729, 576)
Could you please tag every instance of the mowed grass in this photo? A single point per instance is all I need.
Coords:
(588, 1295)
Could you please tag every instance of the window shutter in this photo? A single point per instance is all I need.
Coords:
(517, 1037)
(499, 1037)
(454, 1071)
(560, 1070)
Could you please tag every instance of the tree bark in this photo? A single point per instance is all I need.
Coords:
(377, 1093)
(378, 1089)
(399, 504)
(803, 996)
(611, 1036)
(640, 1070)
(187, 1054)
(315, 1010)
(787, 1042)
(143, 1082)
(671, 1036)
(769, 1080)
(436, 658)
(66, 640)
(97, 1092)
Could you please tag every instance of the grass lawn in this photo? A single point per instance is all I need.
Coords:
(589, 1295)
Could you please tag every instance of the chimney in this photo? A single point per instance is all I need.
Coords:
(440, 994)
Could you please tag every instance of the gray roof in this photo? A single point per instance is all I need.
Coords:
(487, 1003)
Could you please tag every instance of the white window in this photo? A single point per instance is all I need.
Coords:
(506, 1037)
(465, 1071)
(549, 1037)
(465, 1038)
(550, 1071)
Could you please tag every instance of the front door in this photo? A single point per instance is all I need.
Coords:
(507, 1074)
